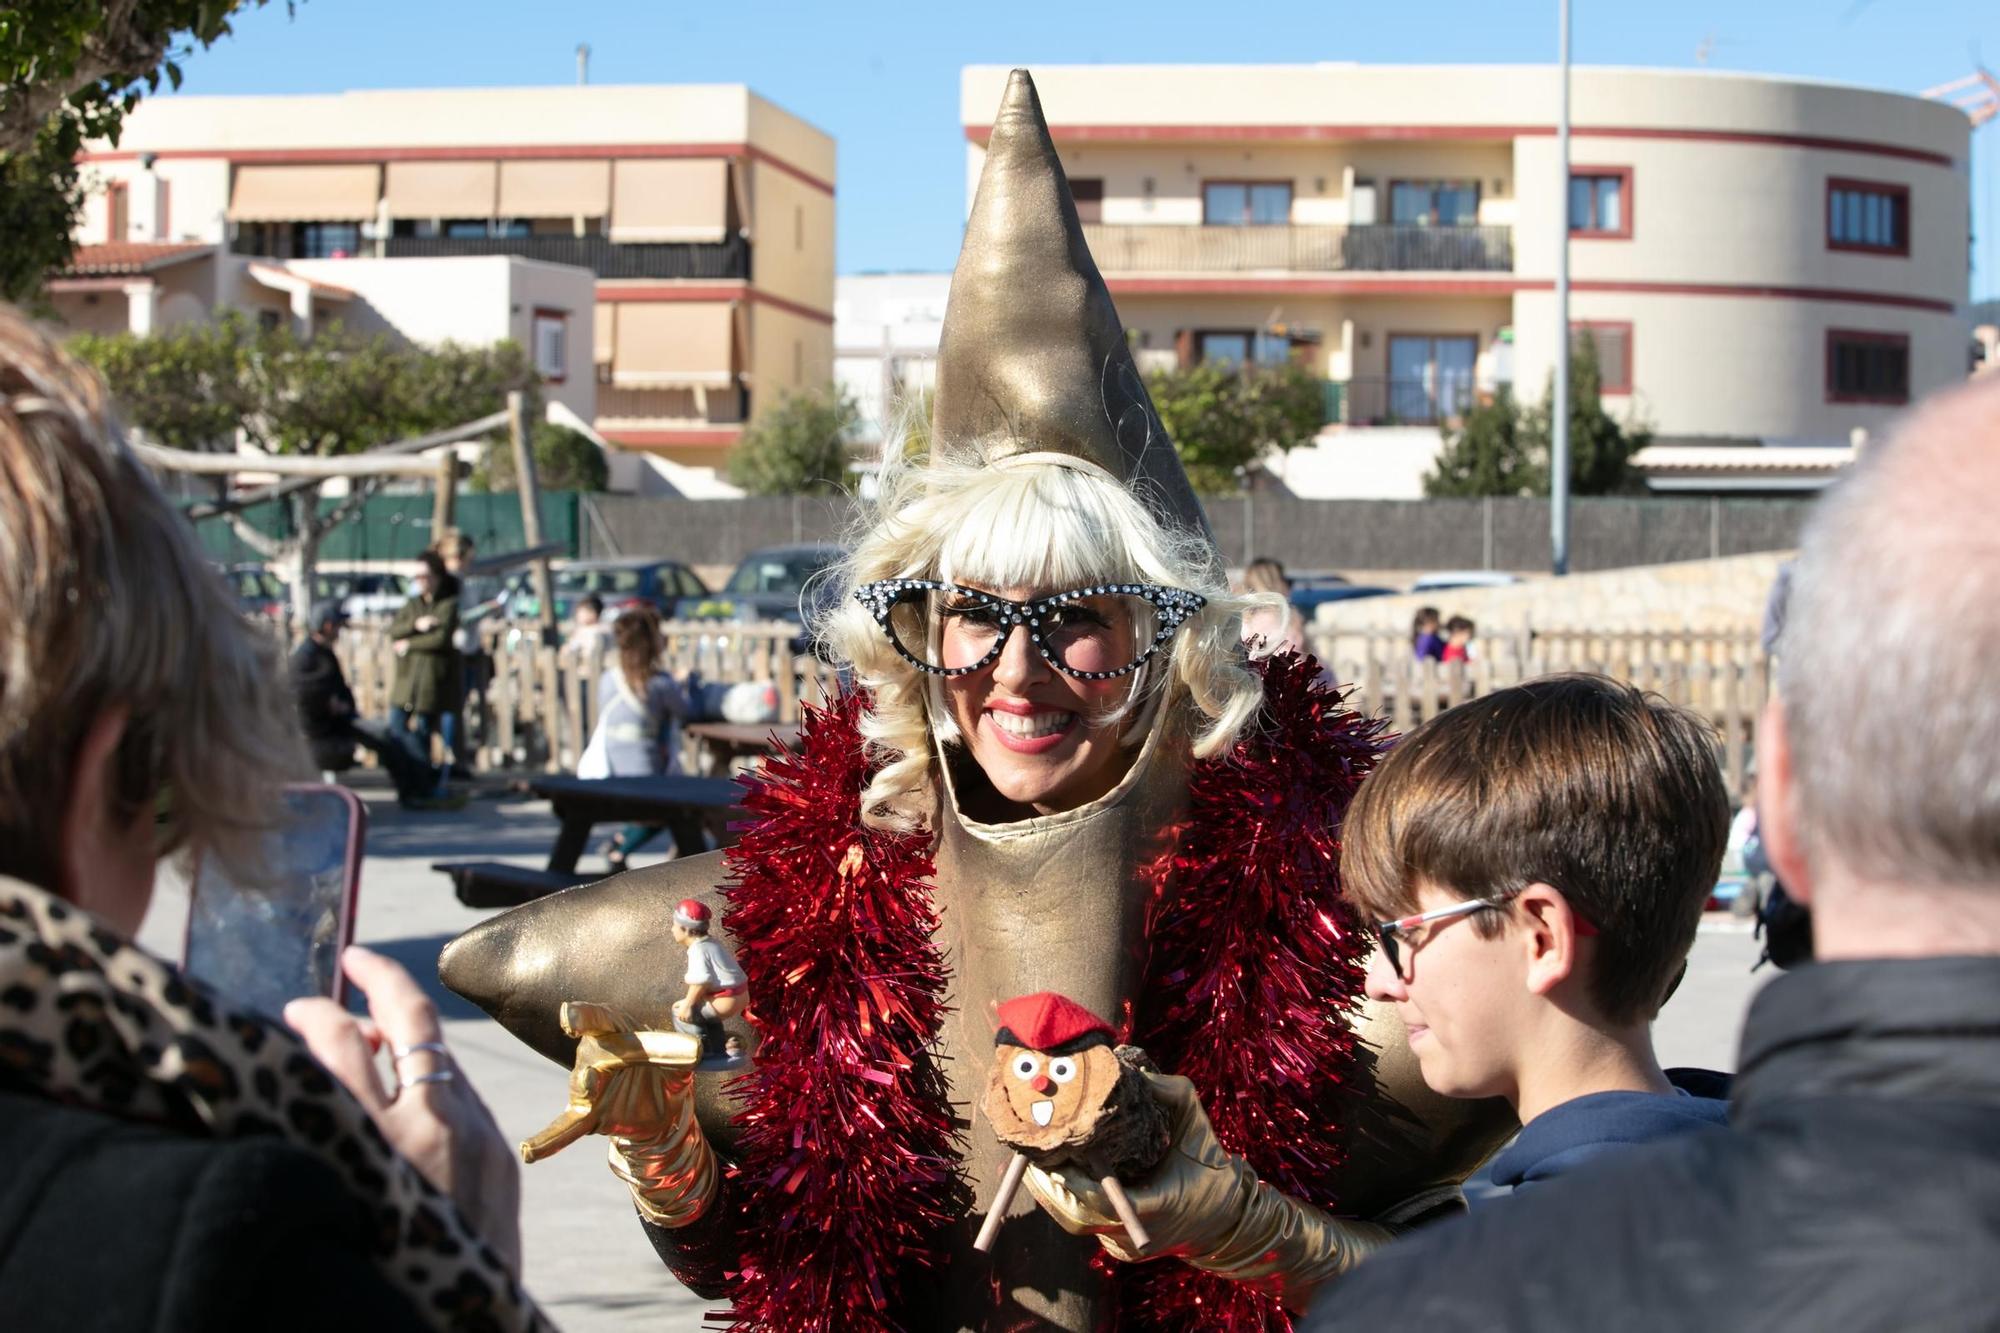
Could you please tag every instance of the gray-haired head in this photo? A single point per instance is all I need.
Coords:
(1888, 658)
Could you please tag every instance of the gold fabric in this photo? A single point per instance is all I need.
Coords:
(1207, 1206)
(442, 189)
(636, 1087)
(305, 194)
(1033, 355)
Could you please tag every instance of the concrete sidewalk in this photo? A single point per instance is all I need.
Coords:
(588, 1261)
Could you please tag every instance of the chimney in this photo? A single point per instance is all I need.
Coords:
(582, 63)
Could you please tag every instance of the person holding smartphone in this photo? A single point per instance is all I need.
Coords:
(170, 1158)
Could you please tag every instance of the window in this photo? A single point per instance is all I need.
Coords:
(1246, 203)
(1600, 202)
(1240, 347)
(1088, 191)
(1430, 378)
(1867, 216)
(1865, 367)
(117, 214)
(1434, 203)
(551, 335)
(325, 240)
(1612, 341)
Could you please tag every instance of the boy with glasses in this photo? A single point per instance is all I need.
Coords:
(1536, 862)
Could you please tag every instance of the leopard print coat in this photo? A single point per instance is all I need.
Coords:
(89, 1019)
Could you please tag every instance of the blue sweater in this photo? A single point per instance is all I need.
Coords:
(1563, 1137)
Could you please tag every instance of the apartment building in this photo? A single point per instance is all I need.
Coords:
(1758, 261)
(698, 218)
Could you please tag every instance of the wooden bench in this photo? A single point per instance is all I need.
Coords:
(497, 884)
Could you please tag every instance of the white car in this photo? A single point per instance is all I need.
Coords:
(1464, 578)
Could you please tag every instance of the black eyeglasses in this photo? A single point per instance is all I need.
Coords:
(1099, 632)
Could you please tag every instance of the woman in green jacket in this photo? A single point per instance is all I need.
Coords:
(427, 669)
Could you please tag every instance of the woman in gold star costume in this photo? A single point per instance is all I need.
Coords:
(1041, 616)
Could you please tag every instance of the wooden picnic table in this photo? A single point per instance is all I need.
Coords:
(684, 804)
(722, 743)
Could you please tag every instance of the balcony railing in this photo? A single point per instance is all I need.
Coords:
(599, 254)
(1165, 248)
(1381, 401)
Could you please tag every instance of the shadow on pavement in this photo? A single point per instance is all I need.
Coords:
(419, 955)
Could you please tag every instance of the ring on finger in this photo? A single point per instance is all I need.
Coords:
(402, 1053)
(405, 1081)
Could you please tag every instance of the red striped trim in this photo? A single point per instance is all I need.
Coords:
(463, 153)
(1456, 286)
(648, 439)
(631, 293)
(1309, 133)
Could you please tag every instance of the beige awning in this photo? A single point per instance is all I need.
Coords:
(604, 323)
(304, 194)
(670, 199)
(673, 344)
(555, 189)
(442, 189)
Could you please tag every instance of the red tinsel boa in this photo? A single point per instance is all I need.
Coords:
(848, 1163)
(849, 1160)
(1255, 969)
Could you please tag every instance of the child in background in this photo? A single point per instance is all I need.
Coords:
(1425, 640)
(1458, 639)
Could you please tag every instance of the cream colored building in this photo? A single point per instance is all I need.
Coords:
(702, 215)
(1760, 261)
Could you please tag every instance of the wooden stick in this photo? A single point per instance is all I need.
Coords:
(1121, 1204)
(1003, 1198)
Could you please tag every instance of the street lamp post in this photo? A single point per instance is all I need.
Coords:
(1559, 414)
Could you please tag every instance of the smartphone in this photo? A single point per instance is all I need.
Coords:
(265, 946)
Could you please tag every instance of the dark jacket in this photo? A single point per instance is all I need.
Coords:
(108, 1226)
(1858, 1187)
(429, 676)
(1583, 1129)
(326, 705)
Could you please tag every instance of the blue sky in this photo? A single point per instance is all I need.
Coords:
(882, 78)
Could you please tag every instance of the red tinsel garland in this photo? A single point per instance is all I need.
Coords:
(849, 1163)
(1256, 964)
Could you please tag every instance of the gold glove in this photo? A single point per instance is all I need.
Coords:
(637, 1087)
(1208, 1207)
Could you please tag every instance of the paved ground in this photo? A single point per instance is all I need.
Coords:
(587, 1260)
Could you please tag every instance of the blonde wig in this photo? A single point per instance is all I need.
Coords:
(1043, 522)
(106, 602)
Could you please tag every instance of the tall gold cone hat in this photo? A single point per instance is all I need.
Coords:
(1033, 358)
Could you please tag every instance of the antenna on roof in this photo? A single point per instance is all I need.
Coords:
(582, 63)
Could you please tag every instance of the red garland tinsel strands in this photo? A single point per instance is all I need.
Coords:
(1256, 964)
(849, 1165)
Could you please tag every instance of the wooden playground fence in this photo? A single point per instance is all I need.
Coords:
(533, 706)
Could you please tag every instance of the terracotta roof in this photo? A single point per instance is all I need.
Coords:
(122, 257)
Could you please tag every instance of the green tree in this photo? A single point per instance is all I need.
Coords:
(337, 393)
(565, 460)
(1487, 455)
(69, 73)
(798, 445)
(1222, 419)
(1503, 449)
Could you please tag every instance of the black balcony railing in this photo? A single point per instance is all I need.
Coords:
(1166, 248)
(599, 254)
(1416, 401)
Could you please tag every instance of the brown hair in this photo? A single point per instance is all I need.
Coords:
(1426, 618)
(1608, 794)
(106, 601)
(1265, 575)
(637, 634)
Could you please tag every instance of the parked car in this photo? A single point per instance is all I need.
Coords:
(369, 596)
(662, 584)
(777, 583)
(1463, 578)
(260, 593)
(1307, 598)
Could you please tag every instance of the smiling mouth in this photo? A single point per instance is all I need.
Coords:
(1043, 1112)
(1030, 733)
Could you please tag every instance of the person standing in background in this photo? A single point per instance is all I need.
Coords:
(457, 550)
(1282, 629)
(1425, 641)
(427, 674)
(1458, 633)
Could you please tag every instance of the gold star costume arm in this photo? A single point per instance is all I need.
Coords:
(1206, 1206)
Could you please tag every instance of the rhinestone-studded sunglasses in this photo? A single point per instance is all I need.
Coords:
(1098, 632)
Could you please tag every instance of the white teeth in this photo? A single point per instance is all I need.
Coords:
(1043, 1112)
(1031, 726)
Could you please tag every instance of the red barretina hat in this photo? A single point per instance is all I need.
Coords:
(1047, 1021)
